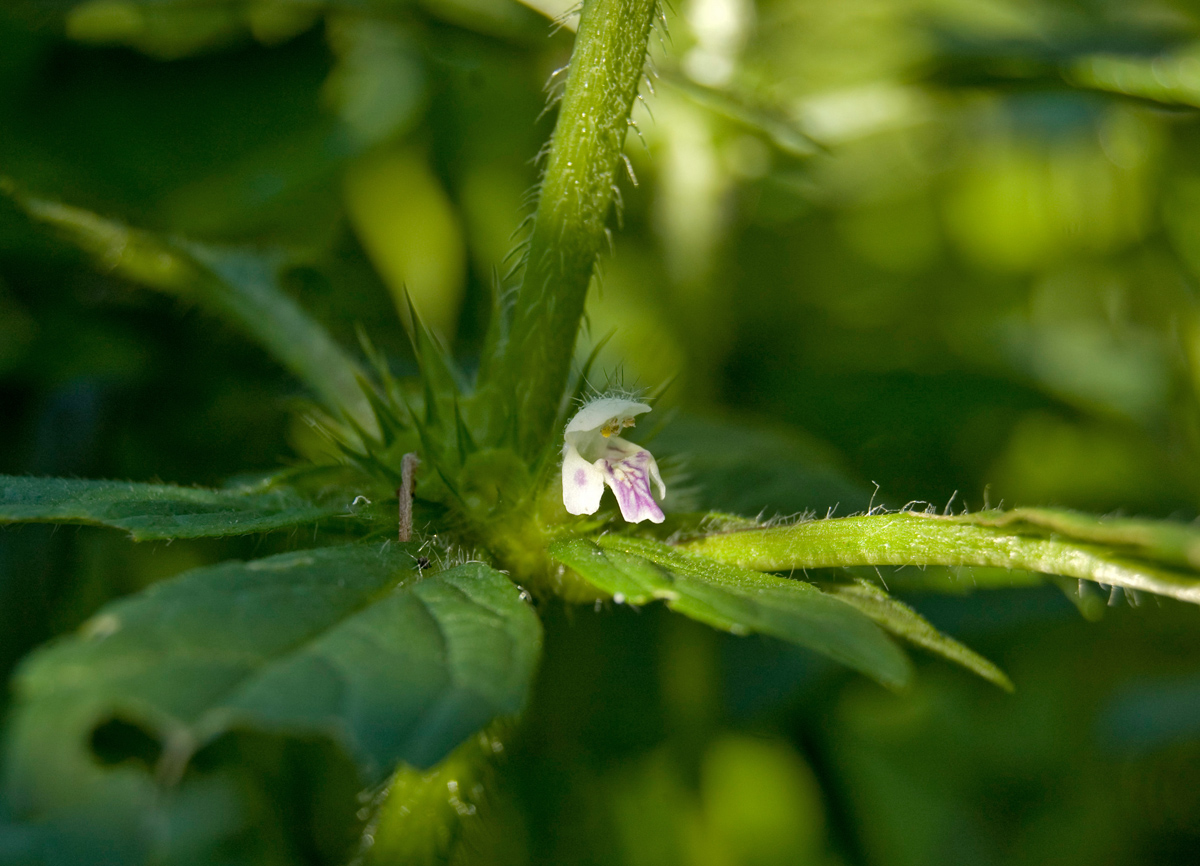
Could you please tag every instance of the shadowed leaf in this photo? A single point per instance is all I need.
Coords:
(350, 643)
(638, 571)
(156, 511)
(903, 621)
(747, 470)
(239, 285)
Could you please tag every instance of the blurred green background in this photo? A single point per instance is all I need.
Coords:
(945, 247)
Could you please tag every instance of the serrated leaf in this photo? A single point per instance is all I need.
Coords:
(156, 511)
(350, 643)
(901, 620)
(737, 600)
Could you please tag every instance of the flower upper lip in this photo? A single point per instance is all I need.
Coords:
(598, 413)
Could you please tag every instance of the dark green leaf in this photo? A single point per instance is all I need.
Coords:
(173, 29)
(902, 620)
(736, 600)
(350, 643)
(241, 286)
(156, 511)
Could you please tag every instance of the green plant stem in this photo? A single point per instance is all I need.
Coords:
(426, 814)
(927, 539)
(569, 225)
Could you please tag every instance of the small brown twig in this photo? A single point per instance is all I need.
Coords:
(408, 468)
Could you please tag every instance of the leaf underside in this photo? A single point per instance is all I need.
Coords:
(902, 621)
(638, 571)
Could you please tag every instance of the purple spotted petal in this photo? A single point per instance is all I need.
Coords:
(629, 479)
(583, 484)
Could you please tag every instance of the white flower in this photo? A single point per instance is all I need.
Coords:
(593, 455)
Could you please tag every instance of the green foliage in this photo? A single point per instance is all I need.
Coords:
(914, 538)
(902, 621)
(1152, 540)
(157, 511)
(637, 571)
(237, 285)
(448, 814)
(350, 643)
(747, 468)
(953, 759)
(800, 254)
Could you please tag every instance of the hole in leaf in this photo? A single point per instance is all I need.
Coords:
(118, 741)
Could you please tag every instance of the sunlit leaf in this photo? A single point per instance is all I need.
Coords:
(1160, 540)
(909, 538)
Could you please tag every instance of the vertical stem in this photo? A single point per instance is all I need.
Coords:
(408, 468)
(569, 225)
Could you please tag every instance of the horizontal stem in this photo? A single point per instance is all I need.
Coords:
(927, 539)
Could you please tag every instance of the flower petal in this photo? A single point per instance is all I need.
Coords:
(583, 484)
(629, 479)
(656, 477)
(596, 414)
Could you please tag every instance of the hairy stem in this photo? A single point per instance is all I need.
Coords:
(423, 816)
(569, 225)
(923, 539)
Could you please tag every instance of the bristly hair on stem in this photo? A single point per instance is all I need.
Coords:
(606, 71)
